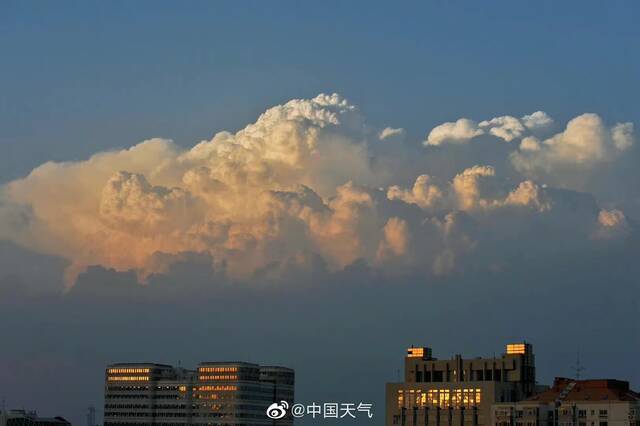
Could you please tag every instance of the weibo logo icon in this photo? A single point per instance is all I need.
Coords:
(277, 411)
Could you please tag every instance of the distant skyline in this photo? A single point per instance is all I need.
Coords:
(315, 185)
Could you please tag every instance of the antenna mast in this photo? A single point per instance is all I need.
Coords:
(578, 368)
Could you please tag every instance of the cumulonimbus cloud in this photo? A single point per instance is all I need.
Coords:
(299, 182)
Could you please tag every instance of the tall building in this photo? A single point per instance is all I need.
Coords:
(574, 403)
(216, 393)
(458, 391)
(29, 418)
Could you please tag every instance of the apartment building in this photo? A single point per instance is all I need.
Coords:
(572, 402)
(458, 391)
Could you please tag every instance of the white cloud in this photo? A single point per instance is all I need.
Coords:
(459, 132)
(505, 127)
(389, 133)
(585, 146)
(537, 120)
(622, 135)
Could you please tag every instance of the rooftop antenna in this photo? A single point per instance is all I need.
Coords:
(578, 368)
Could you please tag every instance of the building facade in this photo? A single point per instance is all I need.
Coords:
(458, 391)
(216, 393)
(29, 418)
(574, 403)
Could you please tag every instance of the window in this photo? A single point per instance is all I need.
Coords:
(582, 413)
(603, 413)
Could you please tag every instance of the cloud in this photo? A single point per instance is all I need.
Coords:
(565, 159)
(119, 208)
(305, 187)
(470, 185)
(505, 127)
(396, 239)
(424, 193)
(612, 224)
(130, 203)
(458, 132)
(472, 190)
(587, 155)
(622, 135)
(389, 133)
(537, 120)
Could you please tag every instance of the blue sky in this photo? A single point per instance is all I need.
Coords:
(79, 77)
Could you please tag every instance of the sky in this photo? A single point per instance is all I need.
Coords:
(315, 185)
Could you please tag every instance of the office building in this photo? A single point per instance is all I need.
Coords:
(216, 393)
(29, 418)
(458, 391)
(574, 403)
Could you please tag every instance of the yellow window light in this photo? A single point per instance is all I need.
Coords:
(517, 348)
(418, 352)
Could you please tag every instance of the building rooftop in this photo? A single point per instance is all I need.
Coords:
(235, 363)
(140, 364)
(33, 416)
(596, 390)
(275, 367)
(426, 353)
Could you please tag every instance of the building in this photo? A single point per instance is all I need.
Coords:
(216, 393)
(574, 403)
(458, 391)
(31, 418)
